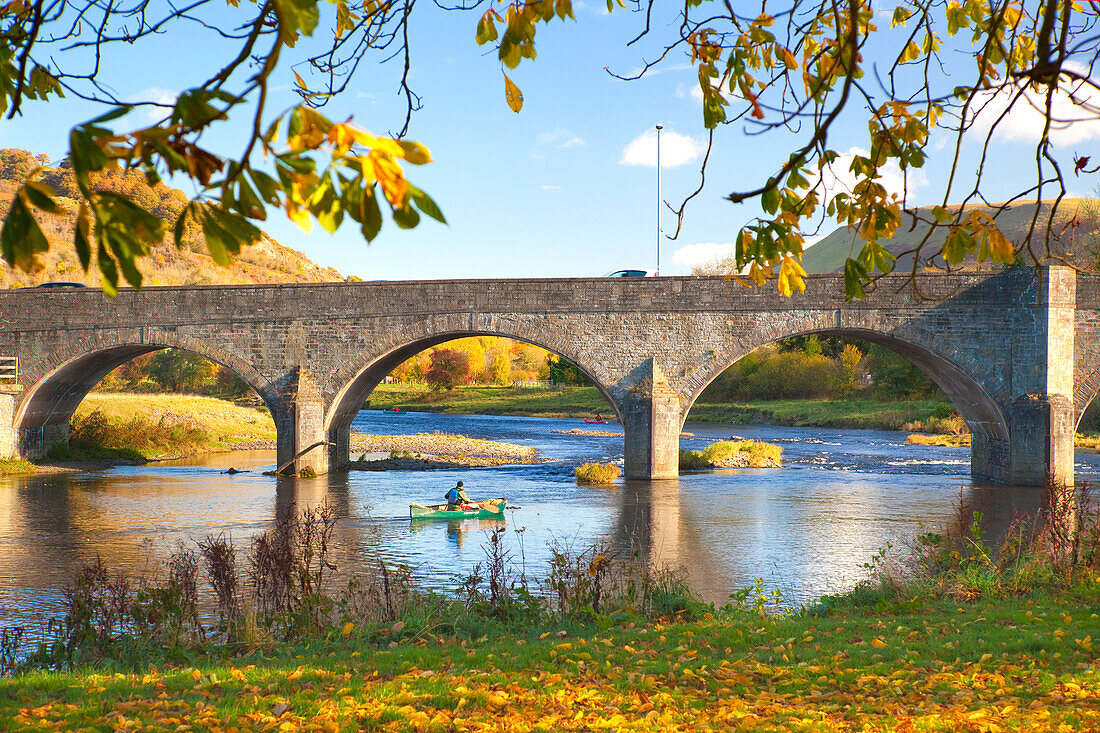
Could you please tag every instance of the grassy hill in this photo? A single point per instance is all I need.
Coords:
(1079, 243)
(266, 262)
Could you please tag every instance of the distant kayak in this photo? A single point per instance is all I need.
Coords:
(490, 509)
(394, 412)
(598, 421)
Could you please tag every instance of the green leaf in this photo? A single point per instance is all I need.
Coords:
(406, 218)
(425, 203)
(854, 275)
(82, 236)
(21, 238)
(266, 185)
(769, 200)
(41, 196)
(486, 29)
(249, 204)
(108, 272)
(371, 215)
(296, 16)
(225, 232)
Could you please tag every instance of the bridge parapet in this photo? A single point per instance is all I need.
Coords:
(989, 340)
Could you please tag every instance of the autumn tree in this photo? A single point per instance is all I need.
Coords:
(450, 368)
(794, 72)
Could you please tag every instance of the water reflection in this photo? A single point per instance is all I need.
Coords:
(806, 529)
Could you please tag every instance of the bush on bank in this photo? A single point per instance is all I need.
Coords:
(597, 473)
(732, 453)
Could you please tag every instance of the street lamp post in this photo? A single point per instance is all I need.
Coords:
(659, 128)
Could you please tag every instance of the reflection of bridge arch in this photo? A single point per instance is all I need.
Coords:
(59, 384)
(359, 377)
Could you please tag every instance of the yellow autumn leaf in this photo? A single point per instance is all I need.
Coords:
(791, 276)
(390, 176)
(415, 153)
(299, 216)
(1000, 249)
(878, 643)
(342, 136)
(298, 78)
(348, 628)
(512, 95)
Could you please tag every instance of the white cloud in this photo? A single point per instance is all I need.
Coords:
(558, 139)
(685, 90)
(552, 188)
(691, 256)
(655, 70)
(839, 178)
(158, 95)
(676, 150)
(1075, 114)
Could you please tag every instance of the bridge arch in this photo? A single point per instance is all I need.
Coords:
(1085, 391)
(354, 382)
(58, 384)
(970, 385)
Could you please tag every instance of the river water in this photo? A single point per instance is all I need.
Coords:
(805, 529)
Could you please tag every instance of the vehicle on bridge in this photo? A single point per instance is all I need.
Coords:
(631, 273)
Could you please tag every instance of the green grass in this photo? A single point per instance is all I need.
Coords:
(843, 413)
(16, 467)
(757, 454)
(587, 401)
(478, 400)
(1012, 663)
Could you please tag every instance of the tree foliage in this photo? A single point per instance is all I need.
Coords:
(315, 169)
(450, 368)
(805, 67)
(802, 68)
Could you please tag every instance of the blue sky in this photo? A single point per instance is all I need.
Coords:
(563, 189)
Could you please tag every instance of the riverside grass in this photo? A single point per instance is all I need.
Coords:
(597, 473)
(993, 664)
(125, 426)
(751, 453)
(578, 402)
(1086, 442)
(971, 641)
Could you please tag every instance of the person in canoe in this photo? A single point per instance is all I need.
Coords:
(457, 499)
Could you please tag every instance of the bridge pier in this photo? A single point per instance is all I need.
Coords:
(1041, 428)
(650, 413)
(300, 426)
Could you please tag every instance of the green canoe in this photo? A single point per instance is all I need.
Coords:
(491, 509)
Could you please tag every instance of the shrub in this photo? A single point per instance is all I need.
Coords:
(597, 473)
(757, 454)
(761, 454)
(693, 459)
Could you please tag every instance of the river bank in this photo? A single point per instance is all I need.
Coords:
(999, 661)
(578, 402)
(423, 451)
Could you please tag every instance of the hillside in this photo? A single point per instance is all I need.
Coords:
(266, 262)
(1079, 244)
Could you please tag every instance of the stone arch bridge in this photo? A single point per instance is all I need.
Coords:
(1017, 352)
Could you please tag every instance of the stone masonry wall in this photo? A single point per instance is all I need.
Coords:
(982, 337)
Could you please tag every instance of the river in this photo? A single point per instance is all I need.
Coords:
(805, 529)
